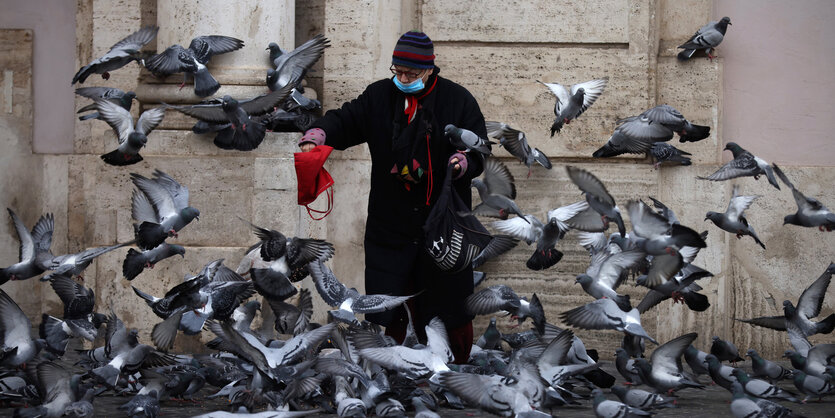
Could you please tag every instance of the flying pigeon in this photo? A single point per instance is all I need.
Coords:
(606, 314)
(516, 143)
(665, 372)
(732, 220)
(16, 344)
(120, 54)
(639, 134)
(292, 66)
(489, 393)
(670, 118)
(243, 133)
(810, 212)
(290, 319)
(137, 261)
(79, 319)
(57, 392)
(111, 94)
(662, 239)
(159, 208)
(574, 100)
(743, 164)
(124, 353)
(131, 137)
(73, 265)
(605, 274)
(707, 37)
(502, 298)
(496, 191)
(466, 140)
(176, 59)
(680, 288)
(602, 208)
(34, 254)
(663, 152)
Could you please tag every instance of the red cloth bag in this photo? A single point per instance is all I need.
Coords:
(313, 179)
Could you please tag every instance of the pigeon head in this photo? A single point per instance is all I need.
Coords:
(711, 360)
(791, 220)
(451, 130)
(583, 279)
(179, 249)
(751, 352)
(252, 306)
(713, 216)
(734, 148)
(137, 140)
(722, 25)
(275, 51)
(228, 104)
(619, 391)
(740, 375)
(831, 268)
(598, 396)
(128, 97)
(189, 213)
(788, 308)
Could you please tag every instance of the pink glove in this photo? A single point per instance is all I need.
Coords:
(315, 136)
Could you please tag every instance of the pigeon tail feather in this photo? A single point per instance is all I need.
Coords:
(696, 301)
(541, 260)
(149, 235)
(204, 84)
(120, 159)
(695, 133)
(133, 264)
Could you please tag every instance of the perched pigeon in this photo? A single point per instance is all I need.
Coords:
(742, 406)
(720, 374)
(530, 229)
(137, 261)
(34, 254)
(111, 94)
(120, 54)
(743, 164)
(176, 59)
(665, 372)
(16, 344)
(663, 152)
(602, 208)
(465, 140)
(707, 38)
(624, 364)
(243, 133)
(810, 212)
(695, 358)
(815, 362)
(291, 67)
(131, 138)
(641, 399)
(574, 100)
(725, 350)
(496, 191)
(732, 220)
(604, 408)
(502, 297)
(762, 389)
(812, 386)
(159, 208)
(142, 405)
(765, 368)
(516, 143)
(605, 314)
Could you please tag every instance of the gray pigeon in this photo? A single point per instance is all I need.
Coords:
(243, 133)
(466, 140)
(663, 152)
(812, 386)
(119, 55)
(606, 314)
(732, 220)
(680, 288)
(492, 338)
(743, 164)
(742, 406)
(502, 298)
(516, 143)
(131, 138)
(810, 212)
(160, 209)
(291, 67)
(290, 319)
(137, 261)
(34, 254)
(72, 265)
(624, 364)
(489, 393)
(725, 350)
(498, 245)
(55, 390)
(816, 361)
(721, 374)
(660, 236)
(429, 360)
(762, 389)
(665, 373)
(574, 100)
(695, 358)
(554, 365)
(672, 119)
(650, 129)
(767, 369)
(602, 208)
(641, 399)
(707, 38)
(79, 319)
(604, 408)
(176, 59)
(496, 191)
(142, 405)
(111, 94)
(124, 353)
(16, 344)
(605, 274)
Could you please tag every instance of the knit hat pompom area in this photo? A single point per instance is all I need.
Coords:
(414, 50)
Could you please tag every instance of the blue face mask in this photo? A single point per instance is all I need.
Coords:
(413, 87)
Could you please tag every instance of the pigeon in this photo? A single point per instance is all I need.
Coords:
(553, 364)
(641, 399)
(111, 94)
(137, 261)
(681, 288)
(765, 368)
(797, 320)
(142, 405)
(530, 229)
(119, 55)
(160, 209)
(348, 300)
(742, 406)
(574, 100)
(663, 152)
(605, 274)
(34, 254)
(176, 59)
(720, 374)
(79, 319)
(415, 363)
(516, 143)
(466, 140)
(243, 133)
(812, 385)
(810, 212)
(640, 134)
(762, 389)
(707, 38)
(55, 391)
(502, 297)
(288, 260)
(291, 319)
(489, 393)
(695, 358)
(496, 191)
(72, 265)
(604, 408)
(16, 344)
(725, 350)
(816, 360)
(124, 353)
(291, 67)
(624, 364)
(665, 372)
(131, 137)
(605, 314)
(732, 220)
(670, 118)
(743, 164)
(660, 236)
(492, 338)
(602, 208)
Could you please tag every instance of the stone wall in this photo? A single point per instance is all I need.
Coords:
(497, 50)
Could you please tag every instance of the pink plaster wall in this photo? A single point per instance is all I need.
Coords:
(779, 79)
(53, 24)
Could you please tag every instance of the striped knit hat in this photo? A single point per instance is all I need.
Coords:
(414, 50)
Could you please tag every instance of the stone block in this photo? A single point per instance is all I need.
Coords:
(527, 21)
(188, 144)
(275, 174)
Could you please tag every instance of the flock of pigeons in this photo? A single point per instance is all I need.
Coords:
(348, 366)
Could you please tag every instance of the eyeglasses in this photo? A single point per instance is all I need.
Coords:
(409, 74)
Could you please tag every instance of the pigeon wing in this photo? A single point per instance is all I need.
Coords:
(498, 179)
(667, 357)
(366, 304)
(592, 91)
(645, 222)
(179, 193)
(27, 243)
(811, 300)
(218, 44)
(492, 299)
(738, 167)
(528, 231)
(562, 94)
(117, 117)
(589, 184)
(772, 322)
(332, 291)
(149, 120)
(266, 102)
(167, 62)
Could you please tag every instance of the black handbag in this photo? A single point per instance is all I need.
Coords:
(453, 237)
